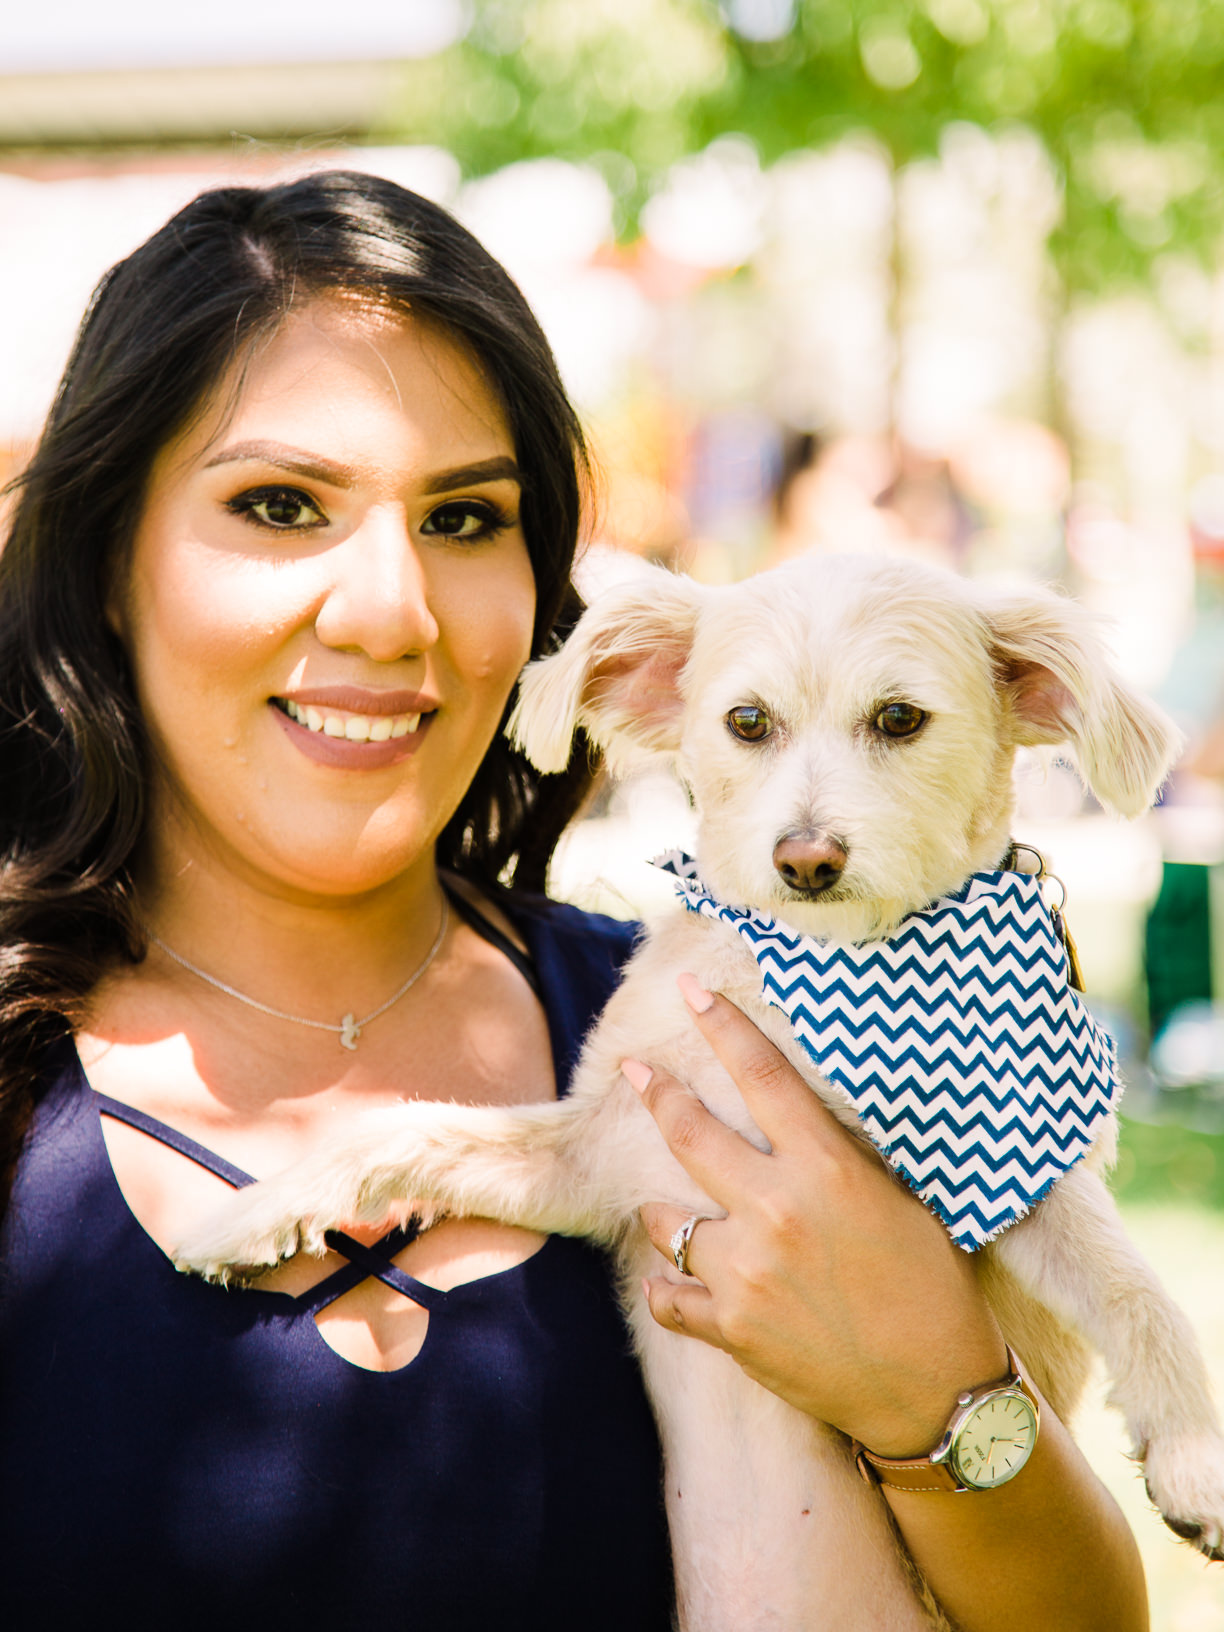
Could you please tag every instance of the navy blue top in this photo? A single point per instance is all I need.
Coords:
(187, 1457)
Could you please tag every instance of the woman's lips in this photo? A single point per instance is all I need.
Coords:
(371, 700)
(347, 739)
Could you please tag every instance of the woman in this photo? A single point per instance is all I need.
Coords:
(306, 503)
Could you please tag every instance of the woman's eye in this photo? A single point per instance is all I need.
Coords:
(749, 723)
(283, 509)
(462, 518)
(900, 719)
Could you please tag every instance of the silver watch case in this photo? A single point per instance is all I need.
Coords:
(990, 1436)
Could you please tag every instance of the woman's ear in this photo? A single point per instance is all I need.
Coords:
(1060, 687)
(618, 675)
(113, 609)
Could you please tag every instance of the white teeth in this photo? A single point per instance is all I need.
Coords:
(354, 727)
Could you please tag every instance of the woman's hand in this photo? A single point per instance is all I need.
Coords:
(828, 1281)
(833, 1286)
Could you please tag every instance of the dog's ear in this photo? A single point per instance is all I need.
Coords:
(1060, 686)
(618, 675)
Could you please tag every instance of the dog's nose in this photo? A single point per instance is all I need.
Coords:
(808, 863)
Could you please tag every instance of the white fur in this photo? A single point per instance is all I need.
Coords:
(772, 1528)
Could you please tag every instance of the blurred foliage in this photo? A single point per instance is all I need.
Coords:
(1162, 1162)
(1124, 94)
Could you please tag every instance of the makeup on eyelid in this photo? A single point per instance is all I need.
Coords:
(448, 520)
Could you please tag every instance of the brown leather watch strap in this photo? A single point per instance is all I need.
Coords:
(923, 1473)
(915, 1473)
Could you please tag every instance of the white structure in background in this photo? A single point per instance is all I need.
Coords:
(545, 219)
(826, 276)
(80, 35)
(974, 301)
(1130, 385)
(710, 212)
(59, 237)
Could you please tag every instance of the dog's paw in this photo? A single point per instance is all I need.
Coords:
(246, 1237)
(1185, 1480)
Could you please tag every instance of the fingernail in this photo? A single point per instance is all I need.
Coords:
(646, 1289)
(693, 993)
(637, 1074)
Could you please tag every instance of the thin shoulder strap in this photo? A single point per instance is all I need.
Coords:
(172, 1137)
(495, 937)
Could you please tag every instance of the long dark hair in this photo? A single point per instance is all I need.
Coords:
(162, 329)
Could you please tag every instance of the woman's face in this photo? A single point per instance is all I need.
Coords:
(328, 600)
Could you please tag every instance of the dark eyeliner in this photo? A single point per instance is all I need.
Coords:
(493, 517)
(244, 505)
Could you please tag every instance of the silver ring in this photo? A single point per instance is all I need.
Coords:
(681, 1241)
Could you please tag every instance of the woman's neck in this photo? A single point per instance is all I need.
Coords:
(313, 955)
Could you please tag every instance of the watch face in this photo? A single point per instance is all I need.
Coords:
(994, 1441)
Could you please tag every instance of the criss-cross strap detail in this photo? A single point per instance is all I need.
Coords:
(335, 1285)
(363, 1261)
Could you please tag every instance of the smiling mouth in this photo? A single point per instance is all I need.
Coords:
(345, 726)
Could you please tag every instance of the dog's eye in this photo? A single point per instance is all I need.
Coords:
(749, 723)
(899, 719)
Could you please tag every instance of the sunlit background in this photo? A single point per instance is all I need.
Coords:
(933, 276)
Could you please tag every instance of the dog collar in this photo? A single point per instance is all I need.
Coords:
(973, 1067)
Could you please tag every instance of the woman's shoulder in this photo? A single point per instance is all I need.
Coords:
(578, 958)
(564, 924)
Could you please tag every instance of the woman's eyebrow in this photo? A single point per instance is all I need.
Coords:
(501, 469)
(314, 466)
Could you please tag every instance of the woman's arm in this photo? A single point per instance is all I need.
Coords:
(832, 1285)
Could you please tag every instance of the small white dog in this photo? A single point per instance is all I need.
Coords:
(847, 727)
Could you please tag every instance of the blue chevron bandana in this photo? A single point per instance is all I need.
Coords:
(973, 1066)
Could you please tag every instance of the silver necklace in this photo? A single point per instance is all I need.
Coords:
(350, 1028)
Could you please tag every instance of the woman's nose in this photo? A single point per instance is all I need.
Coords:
(378, 599)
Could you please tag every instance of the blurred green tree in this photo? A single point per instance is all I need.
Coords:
(1123, 93)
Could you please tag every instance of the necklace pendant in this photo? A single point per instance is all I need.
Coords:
(350, 1028)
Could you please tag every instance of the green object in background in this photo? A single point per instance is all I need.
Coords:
(1161, 1162)
(1123, 95)
(1177, 941)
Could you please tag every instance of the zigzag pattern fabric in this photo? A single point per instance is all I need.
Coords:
(973, 1066)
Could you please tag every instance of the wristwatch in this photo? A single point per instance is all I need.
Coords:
(989, 1438)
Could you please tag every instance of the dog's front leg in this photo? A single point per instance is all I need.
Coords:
(523, 1164)
(1073, 1254)
(772, 1529)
